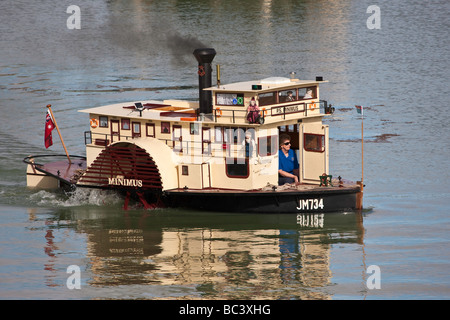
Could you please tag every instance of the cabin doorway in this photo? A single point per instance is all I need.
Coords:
(310, 142)
(314, 151)
(293, 131)
(177, 138)
(115, 130)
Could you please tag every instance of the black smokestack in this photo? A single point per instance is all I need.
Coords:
(204, 57)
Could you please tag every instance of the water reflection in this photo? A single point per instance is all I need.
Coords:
(222, 256)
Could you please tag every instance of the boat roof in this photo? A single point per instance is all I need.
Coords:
(165, 110)
(267, 84)
(169, 110)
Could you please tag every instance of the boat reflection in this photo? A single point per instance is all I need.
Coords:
(222, 256)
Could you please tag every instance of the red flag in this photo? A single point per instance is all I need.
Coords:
(49, 126)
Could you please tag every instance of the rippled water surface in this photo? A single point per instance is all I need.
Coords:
(136, 50)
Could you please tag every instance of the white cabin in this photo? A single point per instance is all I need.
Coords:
(196, 150)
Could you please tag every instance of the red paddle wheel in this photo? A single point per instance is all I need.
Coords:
(126, 167)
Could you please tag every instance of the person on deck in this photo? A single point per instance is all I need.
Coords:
(249, 145)
(253, 111)
(290, 97)
(308, 94)
(288, 163)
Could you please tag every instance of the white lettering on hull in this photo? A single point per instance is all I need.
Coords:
(125, 182)
(310, 204)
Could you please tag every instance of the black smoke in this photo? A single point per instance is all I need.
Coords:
(151, 38)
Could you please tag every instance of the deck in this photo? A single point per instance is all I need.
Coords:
(63, 170)
(336, 187)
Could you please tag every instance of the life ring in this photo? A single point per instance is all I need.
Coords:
(312, 106)
(218, 112)
(264, 111)
(94, 123)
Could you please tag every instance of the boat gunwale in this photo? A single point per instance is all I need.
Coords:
(260, 192)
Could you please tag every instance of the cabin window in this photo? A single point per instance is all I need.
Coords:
(238, 135)
(150, 129)
(125, 124)
(218, 134)
(307, 93)
(314, 142)
(165, 127)
(267, 146)
(230, 99)
(287, 95)
(222, 136)
(103, 122)
(194, 128)
(136, 133)
(267, 98)
(237, 168)
(289, 128)
(87, 137)
(234, 138)
(206, 140)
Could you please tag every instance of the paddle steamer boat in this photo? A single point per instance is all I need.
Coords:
(214, 154)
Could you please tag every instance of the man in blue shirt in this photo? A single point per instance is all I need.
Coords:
(288, 163)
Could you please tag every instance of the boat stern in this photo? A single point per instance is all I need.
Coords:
(53, 171)
(39, 180)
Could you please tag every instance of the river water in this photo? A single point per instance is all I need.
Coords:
(139, 50)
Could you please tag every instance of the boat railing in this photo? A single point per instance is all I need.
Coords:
(207, 148)
(234, 116)
(31, 159)
(268, 113)
(183, 147)
(104, 139)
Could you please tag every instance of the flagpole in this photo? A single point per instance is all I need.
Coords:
(360, 109)
(49, 106)
(362, 159)
(362, 147)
